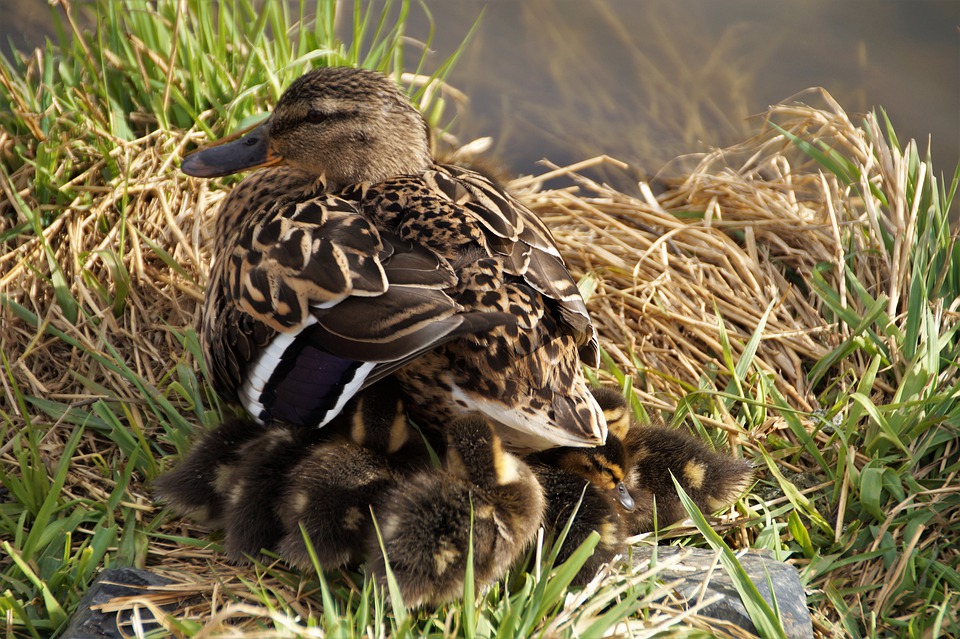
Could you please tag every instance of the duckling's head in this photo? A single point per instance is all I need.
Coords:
(348, 125)
(378, 421)
(603, 466)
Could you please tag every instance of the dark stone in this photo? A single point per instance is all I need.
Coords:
(87, 623)
(791, 600)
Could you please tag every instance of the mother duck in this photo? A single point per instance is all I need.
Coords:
(351, 255)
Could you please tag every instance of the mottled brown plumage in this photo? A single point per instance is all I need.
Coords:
(354, 256)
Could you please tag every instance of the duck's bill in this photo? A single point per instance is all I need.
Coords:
(250, 151)
(622, 495)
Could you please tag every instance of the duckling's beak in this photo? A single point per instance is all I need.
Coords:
(622, 495)
(232, 154)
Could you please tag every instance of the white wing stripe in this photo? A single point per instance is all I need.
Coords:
(263, 368)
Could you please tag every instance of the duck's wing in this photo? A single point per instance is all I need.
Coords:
(454, 210)
(314, 302)
(529, 379)
(515, 232)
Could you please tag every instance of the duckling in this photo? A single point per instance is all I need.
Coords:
(257, 482)
(331, 490)
(230, 480)
(252, 522)
(654, 451)
(426, 522)
(352, 255)
(587, 485)
(200, 484)
(712, 480)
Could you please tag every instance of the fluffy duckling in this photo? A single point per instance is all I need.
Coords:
(636, 461)
(331, 490)
(426, 522)
(654, 451)
(352, 253)
(259, 482)
(587, 484)
(231, 479)
(199, 486)
(252, 521)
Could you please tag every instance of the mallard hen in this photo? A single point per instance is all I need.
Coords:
(427, 522)
(352, 256)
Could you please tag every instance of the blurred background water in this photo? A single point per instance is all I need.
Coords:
(647, 81)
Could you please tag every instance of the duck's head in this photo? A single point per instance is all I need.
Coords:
(615, 410)
(348, 125)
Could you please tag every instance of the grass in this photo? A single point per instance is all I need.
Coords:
(794, 298)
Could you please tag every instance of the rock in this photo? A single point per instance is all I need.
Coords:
(760, 567)
(109, 584)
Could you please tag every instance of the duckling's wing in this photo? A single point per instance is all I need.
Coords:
(315, 303)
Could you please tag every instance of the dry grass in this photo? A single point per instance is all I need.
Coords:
(741, 232)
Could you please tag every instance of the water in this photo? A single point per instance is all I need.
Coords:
(646, 81)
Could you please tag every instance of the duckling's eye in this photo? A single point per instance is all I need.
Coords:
(316, 116)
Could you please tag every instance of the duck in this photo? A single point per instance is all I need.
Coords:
(483, 495)
(655, 453)
(350, 255)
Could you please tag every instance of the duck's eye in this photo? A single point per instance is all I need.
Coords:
(316, 116)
